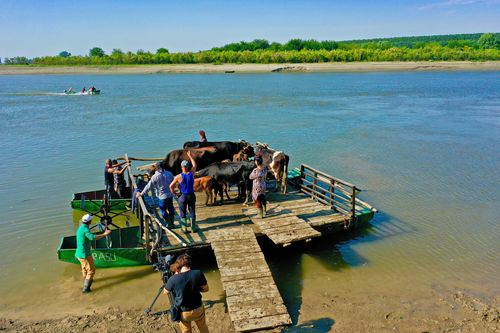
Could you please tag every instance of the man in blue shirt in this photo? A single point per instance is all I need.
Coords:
(83, 240)
(187, 199)
(160, 182)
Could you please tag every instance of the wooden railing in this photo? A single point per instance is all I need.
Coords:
(336, 193)
(146, 220)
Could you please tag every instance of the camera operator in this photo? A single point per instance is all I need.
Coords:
(186, 287)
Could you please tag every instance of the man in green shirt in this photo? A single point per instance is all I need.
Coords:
(83, 254)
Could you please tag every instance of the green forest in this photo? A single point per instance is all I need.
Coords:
(458, 47)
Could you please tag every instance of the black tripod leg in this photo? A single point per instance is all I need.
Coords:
(148, 310)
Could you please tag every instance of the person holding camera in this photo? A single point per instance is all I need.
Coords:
(83, 240)
(186, 288)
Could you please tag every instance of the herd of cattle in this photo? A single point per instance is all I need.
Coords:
(225, 163)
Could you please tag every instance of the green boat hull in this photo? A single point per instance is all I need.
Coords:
(92, 201)
(95, 205)
(122, 248)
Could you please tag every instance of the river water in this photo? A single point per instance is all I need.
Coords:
(422, 146)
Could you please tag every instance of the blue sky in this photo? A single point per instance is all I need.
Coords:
(35, 28)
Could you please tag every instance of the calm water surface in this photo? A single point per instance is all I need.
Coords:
(423, 146)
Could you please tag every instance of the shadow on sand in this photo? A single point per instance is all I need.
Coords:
(321, 325)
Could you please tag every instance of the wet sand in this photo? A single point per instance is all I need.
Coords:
(256, 68)
(451, 311)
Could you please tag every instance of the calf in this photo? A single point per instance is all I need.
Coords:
(205, 184)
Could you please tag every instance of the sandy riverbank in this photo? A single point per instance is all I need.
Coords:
(454, 311)
(256, 68)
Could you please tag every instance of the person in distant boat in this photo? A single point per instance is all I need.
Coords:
(119, 183)
(109, 179)
(186, 287)
(84, 90)
(258, 176)
(203, 137)
(83, 240)
(92, 89)
(160, 181)
(187, 199)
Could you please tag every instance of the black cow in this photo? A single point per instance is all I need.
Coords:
(226, 148)
(230, 173)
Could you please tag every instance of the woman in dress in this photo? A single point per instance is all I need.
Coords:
(258, 176)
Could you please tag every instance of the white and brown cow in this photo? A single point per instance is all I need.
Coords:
(276, 161)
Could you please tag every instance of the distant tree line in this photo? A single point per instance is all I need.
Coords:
(488, 40)
(471, 47)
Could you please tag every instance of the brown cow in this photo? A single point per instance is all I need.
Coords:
(205, 184)
(172, 162)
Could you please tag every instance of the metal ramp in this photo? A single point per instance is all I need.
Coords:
(252, 297)
(282, 225)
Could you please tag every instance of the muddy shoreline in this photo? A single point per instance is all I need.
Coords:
(256, 68)
(456, 311)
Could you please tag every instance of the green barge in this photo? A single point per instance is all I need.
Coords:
(123, 247)
(316, 205)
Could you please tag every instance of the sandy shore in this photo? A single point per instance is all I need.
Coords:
(454, 311)
(256, 68)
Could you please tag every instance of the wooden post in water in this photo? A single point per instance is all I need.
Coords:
(353, 204)
(301, 172)
(332, 193)
(315, 184)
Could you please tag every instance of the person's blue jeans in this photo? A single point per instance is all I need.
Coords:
(187, 201)
(167, 209)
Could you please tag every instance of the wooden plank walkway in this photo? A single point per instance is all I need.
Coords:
(282, 225)
(253, 299)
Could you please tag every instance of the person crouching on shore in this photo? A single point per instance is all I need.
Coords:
(83, 239)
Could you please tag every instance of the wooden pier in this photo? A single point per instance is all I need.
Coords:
(317, 204)
(253, 300)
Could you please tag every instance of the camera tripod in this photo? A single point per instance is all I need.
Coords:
(147, 311)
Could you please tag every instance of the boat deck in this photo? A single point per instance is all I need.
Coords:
(290, 217)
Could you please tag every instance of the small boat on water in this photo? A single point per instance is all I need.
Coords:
(123, 247)
(92, 201)
(82, 93)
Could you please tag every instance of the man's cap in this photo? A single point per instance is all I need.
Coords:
(86, 218)
(185, 164)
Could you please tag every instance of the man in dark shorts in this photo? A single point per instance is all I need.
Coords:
(186, 288)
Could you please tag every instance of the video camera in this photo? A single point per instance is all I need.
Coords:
(163, 266)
